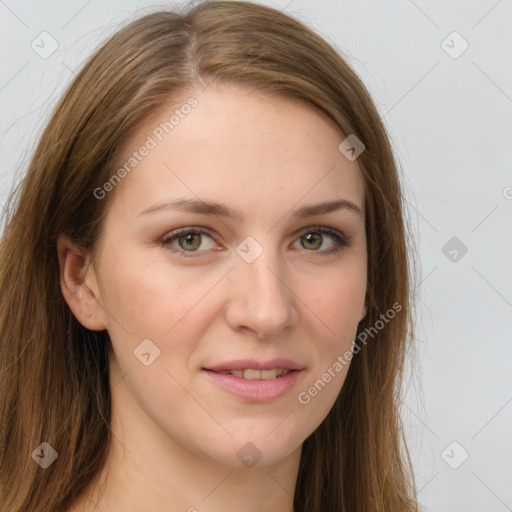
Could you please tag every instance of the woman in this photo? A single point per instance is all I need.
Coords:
(205, 283)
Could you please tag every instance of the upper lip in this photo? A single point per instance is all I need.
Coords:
(243, 364)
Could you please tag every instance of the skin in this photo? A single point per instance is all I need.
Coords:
(176, 434)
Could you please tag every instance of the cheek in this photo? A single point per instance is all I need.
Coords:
(149, 296)
(337, 305)
(336, 301)
(160, 302)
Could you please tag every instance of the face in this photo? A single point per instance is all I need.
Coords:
(256, 282)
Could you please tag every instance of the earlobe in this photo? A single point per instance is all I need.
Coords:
(78, 285)
(363, 314)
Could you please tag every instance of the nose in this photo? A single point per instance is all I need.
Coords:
(261, 299)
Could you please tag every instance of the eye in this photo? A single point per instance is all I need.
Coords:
(187, 241)
(313, 238)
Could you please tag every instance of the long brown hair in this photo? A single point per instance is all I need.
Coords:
(55, 372)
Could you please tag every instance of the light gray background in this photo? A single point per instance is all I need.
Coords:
(450, 122)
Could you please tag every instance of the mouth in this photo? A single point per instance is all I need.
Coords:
(254, 374)
(256, 382)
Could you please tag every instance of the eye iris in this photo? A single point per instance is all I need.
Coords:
(312, 236)
(189, 238)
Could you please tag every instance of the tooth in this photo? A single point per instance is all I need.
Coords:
(252, 374)
(268, 374)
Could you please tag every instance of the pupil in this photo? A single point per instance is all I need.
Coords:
(189, 240)
(310, 237)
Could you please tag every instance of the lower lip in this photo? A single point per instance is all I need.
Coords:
(256, 390)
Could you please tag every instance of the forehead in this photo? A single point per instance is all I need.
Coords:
(240, 147)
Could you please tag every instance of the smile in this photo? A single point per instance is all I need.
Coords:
(252, 374)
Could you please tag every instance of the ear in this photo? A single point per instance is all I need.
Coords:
(78, 285)
(363, 314)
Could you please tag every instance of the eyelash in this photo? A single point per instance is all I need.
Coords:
(341, 240)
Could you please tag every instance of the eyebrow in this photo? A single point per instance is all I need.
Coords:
(213, 208)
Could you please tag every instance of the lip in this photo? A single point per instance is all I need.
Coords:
(242, 364)
(257, 390)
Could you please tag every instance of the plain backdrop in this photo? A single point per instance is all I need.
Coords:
(440, 75)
